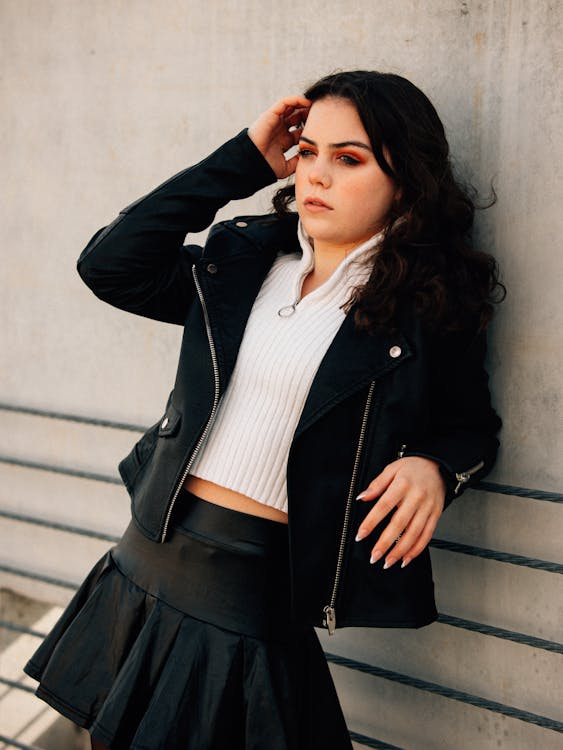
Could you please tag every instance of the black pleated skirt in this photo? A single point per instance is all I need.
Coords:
(188, 645)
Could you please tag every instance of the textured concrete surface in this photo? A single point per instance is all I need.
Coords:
(103, 100)
(23, 718)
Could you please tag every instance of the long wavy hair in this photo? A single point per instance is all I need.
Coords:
(425, 259)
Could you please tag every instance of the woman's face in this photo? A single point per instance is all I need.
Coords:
(343, 196)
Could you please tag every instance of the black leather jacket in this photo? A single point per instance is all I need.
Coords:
(373, 397)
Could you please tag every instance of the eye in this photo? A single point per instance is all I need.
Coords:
(304, 152)
(349, 160)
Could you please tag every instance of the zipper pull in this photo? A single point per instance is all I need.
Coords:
(465, 476)
(285, 312)
(461, 479)
(330, 619)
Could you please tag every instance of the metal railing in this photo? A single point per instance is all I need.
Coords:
(449, 620)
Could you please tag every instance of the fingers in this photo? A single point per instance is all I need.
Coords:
(291, 165)
(401, 542)
(283, 115)
(289, 104)
(278, 129)
(395, 497)
(420, 544)
(387, 500)
(297, 117)
(291, 162)
(378, 485)
(411, 491)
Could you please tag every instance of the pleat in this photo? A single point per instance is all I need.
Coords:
(143, 674)
(38, 663)
(198, 702)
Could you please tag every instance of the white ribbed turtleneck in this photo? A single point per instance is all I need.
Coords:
(248, 445)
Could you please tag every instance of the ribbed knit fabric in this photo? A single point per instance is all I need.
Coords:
(248, 445)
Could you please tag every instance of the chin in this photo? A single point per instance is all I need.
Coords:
(316, 231)
(327, 237)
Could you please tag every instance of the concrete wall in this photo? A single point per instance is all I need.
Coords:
(103, 100)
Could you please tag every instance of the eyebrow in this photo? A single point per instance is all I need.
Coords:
(343, 144)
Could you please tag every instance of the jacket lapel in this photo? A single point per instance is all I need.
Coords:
(353, 359)
(242, 252)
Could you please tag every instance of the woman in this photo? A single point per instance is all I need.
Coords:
(329, 354)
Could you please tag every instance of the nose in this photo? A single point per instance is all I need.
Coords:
(319, 174)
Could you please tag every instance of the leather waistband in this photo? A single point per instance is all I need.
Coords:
(224, 567)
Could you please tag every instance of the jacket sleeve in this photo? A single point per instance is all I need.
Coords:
(138, 262)
(463, 439)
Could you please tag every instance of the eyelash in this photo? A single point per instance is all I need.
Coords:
(347, 159)
(351, 161)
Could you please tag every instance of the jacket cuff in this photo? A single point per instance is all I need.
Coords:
(459, 472)
(260, 168)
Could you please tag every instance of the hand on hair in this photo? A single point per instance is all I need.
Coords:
(272, 136)
(415, 488)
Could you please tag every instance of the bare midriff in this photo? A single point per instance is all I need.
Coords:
(216, 493)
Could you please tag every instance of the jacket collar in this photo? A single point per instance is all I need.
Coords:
(353, 359)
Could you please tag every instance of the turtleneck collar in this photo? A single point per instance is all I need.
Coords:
(353, 272)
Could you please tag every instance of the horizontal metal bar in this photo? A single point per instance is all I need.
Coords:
(506, 635)
(59, 470)
(443, 544)
(6, 625)
(491, 554)
(478, 627)
(372, 742)
(457, 622)
(510, 489)
(446, 692)
(17, 685)
(354, 736)
(94, 421)
(79, 530)
(37, 577)
(15, 743)
(494, 487)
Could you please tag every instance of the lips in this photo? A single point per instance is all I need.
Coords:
(315, 203)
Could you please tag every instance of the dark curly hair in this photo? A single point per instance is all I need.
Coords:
(426, 258)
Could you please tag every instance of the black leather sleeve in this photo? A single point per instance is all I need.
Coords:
(138, 262)
(465, 425)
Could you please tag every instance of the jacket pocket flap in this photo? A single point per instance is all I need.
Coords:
(170, 422)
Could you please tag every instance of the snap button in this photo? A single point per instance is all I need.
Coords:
(164, 423)
(395, 352)
(241, 224)
(211, 268)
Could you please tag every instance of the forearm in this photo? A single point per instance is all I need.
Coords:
(463, 439)
(138, 262)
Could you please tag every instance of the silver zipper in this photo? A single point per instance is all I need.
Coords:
(287, 310)
(213, 409)
(402, 450)
(464, 476)
(329, 620)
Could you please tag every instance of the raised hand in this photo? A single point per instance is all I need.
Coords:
(416, 489)
(277, 130)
